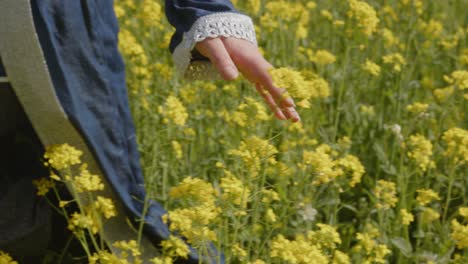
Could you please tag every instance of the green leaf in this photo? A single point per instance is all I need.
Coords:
(403, 245)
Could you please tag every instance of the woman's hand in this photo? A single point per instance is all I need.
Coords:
(231, 56)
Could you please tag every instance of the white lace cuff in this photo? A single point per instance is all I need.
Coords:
(223, 24)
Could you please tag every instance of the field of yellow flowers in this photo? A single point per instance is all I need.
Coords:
(376, 172)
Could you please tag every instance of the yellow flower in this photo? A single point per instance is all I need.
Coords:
(87, 182)
(417, 108)
(323, 57)
(431, 29)
(105, 206)
(43, 186)
(426, 196)
(429, 215)
(463, 211)
(367, 110)
(371, 67)
(195, 190)
(177, 149)
(459, 79)
(340, 258)
(352, 164)
(386, 194)
(421, 151)
(269, 196)
(406, 217)
(104, 256)
(322, 164)
(174, 111)
(459, 234)
(326, 14)
(270, 216)
(254, 6)
(396, 59)
(164, 260)
(389, 39)
(79, 221)
(151, 14)
(255, 152)
(130, 246)
(238, 251)
(443, 93)
(299, 251)
(192, 223)
(234, 190)
(175, 247)
(62, 156)
(290, 80)
(374, 252)
(6, 259)
(365, 16)
(326, 237)
(457, 144)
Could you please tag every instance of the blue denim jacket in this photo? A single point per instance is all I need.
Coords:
(79, 41)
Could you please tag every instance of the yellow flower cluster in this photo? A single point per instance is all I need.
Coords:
(173, 111)
(298, 87)
(315, 247)
(79, 222)
(6, 259)
(177, 149)
(234, 190)
(374, 251)
(151, 14)
(457, 145)
(192, 223)
(425, 196)
(104, 256)
(396, 59)
(275, 17)
(386, 194)
(86, 181)
(43, 186)
(327, 169)
(406, 217)
(371, 67)
(62, 156)
(421, 151)
(199, 210)
(459, 234)
(417, 108)
(322, 57)
(428, 215)
(458, 78)
(105, 206)
(254, 152)
(134, 52)
(463, 212)
(365, 16)
(174, 247)
(194, 190)
(300, 251)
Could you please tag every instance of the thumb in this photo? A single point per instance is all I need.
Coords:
(214, 49)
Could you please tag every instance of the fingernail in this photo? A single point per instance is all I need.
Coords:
(232, 72)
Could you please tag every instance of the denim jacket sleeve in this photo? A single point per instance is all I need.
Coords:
(196, 20)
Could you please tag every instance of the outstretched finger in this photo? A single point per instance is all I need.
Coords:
(214, 49)
(270, 102)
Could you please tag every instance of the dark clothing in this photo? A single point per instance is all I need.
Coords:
(79, 41)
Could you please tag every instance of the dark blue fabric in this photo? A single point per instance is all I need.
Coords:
(183, 13)
(79, 40)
